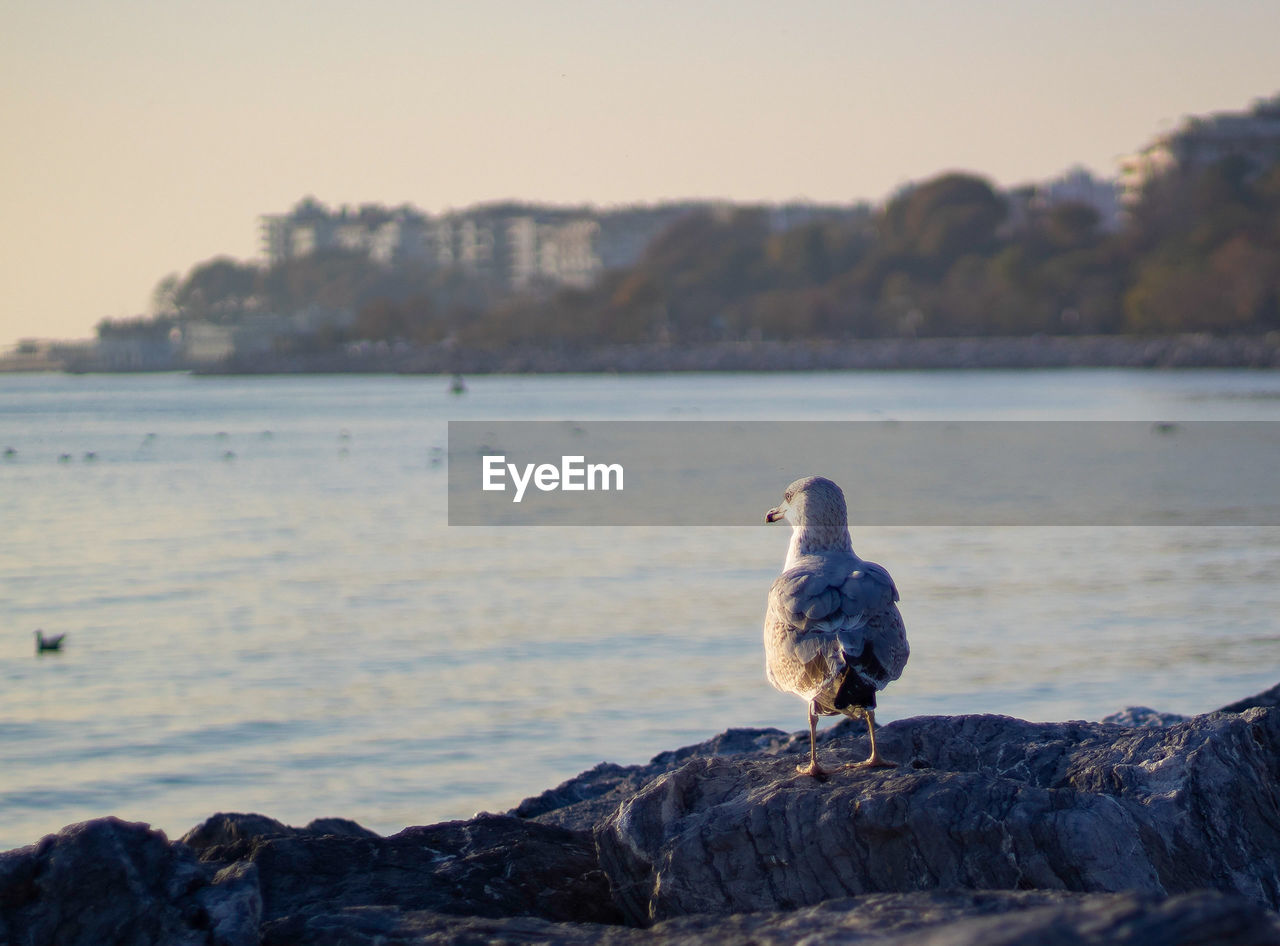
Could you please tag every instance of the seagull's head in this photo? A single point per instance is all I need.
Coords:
(811, 501)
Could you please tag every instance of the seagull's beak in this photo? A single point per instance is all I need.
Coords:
(773, 515)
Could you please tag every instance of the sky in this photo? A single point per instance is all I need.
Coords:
(142, 137)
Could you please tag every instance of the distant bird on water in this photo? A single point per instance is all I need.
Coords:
(832, 631)
(48, 643)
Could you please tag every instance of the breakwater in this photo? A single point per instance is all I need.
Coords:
(1092, 351)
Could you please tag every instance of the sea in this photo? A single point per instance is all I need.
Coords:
(266, 609)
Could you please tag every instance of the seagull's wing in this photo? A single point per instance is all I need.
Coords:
(829, 613)
(882, 638)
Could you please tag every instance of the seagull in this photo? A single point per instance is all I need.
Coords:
(48, 643)
(832, 631)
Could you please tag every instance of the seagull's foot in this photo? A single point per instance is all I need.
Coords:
(874, 761)
(814, 771)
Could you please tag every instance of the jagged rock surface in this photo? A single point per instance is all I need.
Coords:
(490, 866)
(582, 802)
(1151, 806)
(229, 837)
(984, 802)
(111, 882)
(1268, 697)
(935, 918)
(1143, 717)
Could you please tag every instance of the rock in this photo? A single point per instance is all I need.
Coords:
(224, 838)
(387, 926)
(342, 827)
(223, 830)
(996, 918)
(1140, 830)
(1269, 697)
(111, 882)
(1134, 717)
(490, 866)
(982, 802)
(587, 799)
(936, 918)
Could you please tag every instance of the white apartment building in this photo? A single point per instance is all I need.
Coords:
(518, 249)
(1078, 186)
(561, 253)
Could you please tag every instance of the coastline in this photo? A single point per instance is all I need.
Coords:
(1192, 350)
(888, 354)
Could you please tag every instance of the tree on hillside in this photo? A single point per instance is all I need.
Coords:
(164, 297)
(214, 289)
(1207, 251)
(413, 320)
(942, 219)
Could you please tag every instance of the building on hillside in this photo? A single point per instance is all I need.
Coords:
(275, 233)
(522, 249)
(473, 245)
(626, 233)
(204, 343)
(566, 253)
(254, 333)
(405, 240)
(1078, 186)
(385, 235)
(514, 245)
(561, 253)
(1203, 141)
(1028, 202)
(41, 354)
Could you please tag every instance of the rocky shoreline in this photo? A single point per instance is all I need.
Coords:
(1092, 351)
(1146, 828)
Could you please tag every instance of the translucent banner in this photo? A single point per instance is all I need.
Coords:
(552, 473)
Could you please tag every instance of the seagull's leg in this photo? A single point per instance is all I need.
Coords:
(873, 761)
(813, 768)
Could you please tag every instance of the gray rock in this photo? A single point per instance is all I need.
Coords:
(585, 800)
(982, 802)
(109, 882)
(934, 852)
(230, 830)
(1146, 716)
(389, 926)
(995, 918)
(935, 918)
(227, 837)
(1269, 697)
(582, 802)
(1133, 717)
(490, 866)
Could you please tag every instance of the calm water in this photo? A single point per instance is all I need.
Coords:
(266, 611)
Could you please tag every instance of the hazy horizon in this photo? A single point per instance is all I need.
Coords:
(144, 138)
